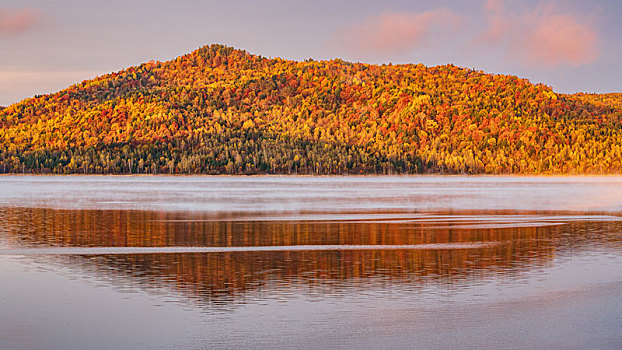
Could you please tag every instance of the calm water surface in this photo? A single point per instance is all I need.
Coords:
(310, 262)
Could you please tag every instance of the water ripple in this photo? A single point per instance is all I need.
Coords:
(286, 248)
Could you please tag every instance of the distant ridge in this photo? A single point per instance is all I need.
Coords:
(219, 110)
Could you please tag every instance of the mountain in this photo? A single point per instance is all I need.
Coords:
(219, 110)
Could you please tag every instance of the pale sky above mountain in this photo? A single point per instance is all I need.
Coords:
(570, 45)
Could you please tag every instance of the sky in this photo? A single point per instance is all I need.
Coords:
(572, 45)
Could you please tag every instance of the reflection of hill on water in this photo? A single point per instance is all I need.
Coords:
(229, 278)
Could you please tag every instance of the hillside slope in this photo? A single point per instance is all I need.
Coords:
(219, 110)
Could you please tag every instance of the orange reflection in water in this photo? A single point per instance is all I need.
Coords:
(233, 277)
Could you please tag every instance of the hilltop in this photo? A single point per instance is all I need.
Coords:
(219, 110)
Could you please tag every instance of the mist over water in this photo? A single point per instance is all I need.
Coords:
(310, 262)
(218, 194)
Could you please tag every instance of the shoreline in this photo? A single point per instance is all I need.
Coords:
(319, 175)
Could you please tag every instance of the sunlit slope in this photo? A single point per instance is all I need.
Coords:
(219, 110)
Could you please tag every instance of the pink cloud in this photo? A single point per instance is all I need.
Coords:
(560, 39)
(493, 6)
(498, 23)
(16, 22)
(396, 33)
(542, 37)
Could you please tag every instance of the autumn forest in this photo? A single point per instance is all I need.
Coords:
(219, 110)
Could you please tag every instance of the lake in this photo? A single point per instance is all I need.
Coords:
(421, 262)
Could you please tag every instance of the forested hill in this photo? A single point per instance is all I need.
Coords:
(219, 110)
